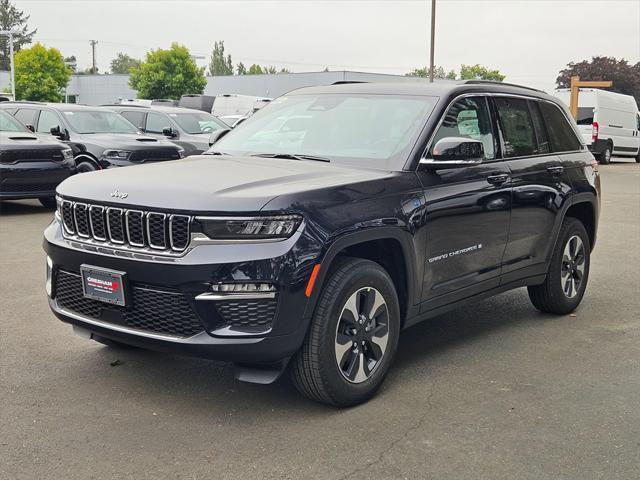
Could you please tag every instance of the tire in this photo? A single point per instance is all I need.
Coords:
(556, 295)
(605, 156)
(48, 202)
(86, 166)
(315, 369)
(638, 158)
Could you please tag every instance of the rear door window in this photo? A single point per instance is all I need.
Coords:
(540, 130)
(517, 127)
(585, 116)
(561, 135)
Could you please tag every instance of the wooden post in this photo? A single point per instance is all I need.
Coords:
(576, 84)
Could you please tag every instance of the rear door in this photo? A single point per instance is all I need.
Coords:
(540, 182)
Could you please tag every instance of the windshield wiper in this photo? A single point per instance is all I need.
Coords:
(291, 156)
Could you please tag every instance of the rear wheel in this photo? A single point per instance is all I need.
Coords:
(605, 156)
(352, 338)
(566, 281)
(48, 202)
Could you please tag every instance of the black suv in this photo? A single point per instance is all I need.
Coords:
(188, 128)
(99, 137)
(313, 246)
(31, 166)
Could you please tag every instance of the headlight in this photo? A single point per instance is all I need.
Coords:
(116, 154)
(67, 154)
(249, 228)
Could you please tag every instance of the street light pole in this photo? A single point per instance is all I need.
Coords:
(433, 39)
(10, 33)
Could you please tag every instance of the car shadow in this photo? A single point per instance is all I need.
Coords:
(198, 385)
(22, 207)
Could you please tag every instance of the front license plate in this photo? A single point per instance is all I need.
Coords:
(103, 284)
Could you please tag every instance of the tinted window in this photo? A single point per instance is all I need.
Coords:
(137, 118)
(46, 121)
(585, 116)
(469, 118)
(517, 127)
(26, 116)
(156, 123)
(540, 130)
(10, 124)
(562, 136)
(197, 122)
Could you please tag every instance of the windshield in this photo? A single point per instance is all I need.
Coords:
(585, 116)
(97, 121)
(366, 130)
(197, 122)
(10, 124)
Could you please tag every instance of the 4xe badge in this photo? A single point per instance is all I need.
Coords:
(118, 194)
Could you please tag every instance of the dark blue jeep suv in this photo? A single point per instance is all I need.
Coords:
(333, 219)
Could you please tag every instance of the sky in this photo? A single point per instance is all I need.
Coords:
(528, 40)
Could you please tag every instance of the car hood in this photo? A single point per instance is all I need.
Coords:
(212, 184)
(27, 140)
(124, 140)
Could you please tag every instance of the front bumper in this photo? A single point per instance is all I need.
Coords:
(32, 179)
(164, 313)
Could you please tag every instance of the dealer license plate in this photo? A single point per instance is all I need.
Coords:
(103, 284)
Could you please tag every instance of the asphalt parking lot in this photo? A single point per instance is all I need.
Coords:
(492, 391)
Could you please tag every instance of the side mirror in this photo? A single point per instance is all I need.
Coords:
(56, 131)
(169, 132)
(454, 152)
(30, 127)
(217, 135)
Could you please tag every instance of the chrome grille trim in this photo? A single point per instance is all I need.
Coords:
(187, 233)
(126, 216)
(164, 227)
(75, 218)
(139, 229)
(91, 227)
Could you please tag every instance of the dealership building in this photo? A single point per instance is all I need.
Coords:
(105, 89)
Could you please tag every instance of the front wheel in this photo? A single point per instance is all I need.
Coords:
(84, 167)
(352, 338)
(566, 281)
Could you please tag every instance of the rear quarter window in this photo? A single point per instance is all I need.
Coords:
(561, 134)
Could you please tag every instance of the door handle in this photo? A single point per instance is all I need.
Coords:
(498, 179)
(555, 170)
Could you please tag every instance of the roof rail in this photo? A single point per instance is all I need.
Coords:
(494, 82)
(31, 102)
(347, 82)
(123, 105)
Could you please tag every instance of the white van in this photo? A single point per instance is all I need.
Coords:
(609, 122)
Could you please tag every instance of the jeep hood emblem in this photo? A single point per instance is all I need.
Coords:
(118, 194)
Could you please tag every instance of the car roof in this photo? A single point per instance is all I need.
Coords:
(436, 89)
(158, 108)
(55, 106)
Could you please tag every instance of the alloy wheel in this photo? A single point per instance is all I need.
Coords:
(362, 334)
(573, 264)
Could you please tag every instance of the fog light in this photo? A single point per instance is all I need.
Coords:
(47, 283)
(242, 287)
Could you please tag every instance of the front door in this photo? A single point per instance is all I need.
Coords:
(467, 211)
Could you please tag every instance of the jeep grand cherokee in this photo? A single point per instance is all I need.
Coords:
(333, 219)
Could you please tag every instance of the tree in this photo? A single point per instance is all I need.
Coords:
(123, 63)
(72, 63)
(625, 77)
(220, 65)
(41, 74)
(241, 69)
(438, 73)
(13, 19)
(478, 72)
(167, 74)
(255, 69)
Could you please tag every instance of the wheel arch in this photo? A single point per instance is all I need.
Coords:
(387, 246)
(86, 157)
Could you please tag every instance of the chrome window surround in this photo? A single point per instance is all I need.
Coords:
(424, 158)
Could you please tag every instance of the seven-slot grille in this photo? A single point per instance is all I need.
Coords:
(125, 227)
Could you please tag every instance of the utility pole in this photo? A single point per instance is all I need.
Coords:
(10, 34)
(93, 44)
(576, 83)
(433, 39)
